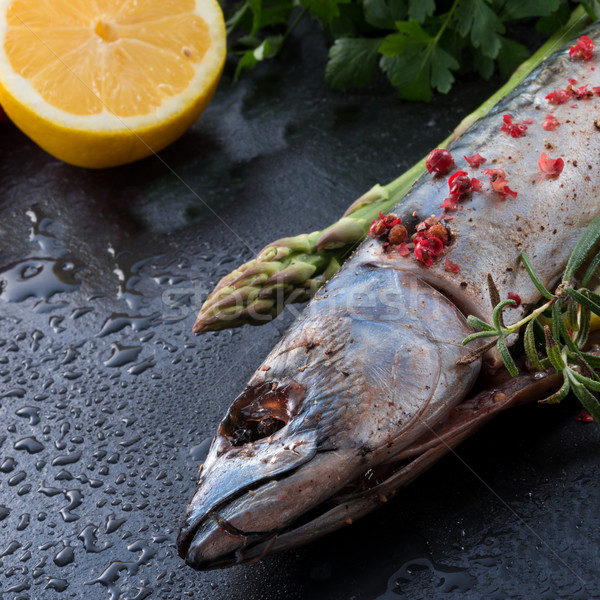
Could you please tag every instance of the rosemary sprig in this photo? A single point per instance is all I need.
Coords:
(561, 348)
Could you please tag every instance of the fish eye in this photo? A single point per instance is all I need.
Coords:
(260, 411)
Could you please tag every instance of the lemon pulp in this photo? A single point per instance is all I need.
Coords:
(125, 76)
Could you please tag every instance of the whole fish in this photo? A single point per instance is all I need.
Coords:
(364, 391)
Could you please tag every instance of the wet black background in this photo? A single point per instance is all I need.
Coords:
(107, 401)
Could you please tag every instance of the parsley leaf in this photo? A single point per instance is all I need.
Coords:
(269, 48)
(276, 14)
(352, 60)
(415, 63)
(483, 64)
(324, 10)
(383, 14)
(422, 41)
(511, 55)
(350, 22)
(521, 9)
(419, 10)
(477, 20)
(412, 38)
(256, 7)
(551, 23)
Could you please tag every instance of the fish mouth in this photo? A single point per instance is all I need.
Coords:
(271, 516)
(261, 517)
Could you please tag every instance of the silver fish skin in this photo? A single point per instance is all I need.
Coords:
(364, 392)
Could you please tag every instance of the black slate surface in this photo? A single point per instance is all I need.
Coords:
(107, 401)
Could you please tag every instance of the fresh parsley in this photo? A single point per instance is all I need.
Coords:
(422, 46)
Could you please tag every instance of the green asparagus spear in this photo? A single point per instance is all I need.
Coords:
(292, 269)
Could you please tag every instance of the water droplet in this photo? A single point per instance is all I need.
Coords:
(79, 312)
(40, 234)
(36, 336)
(29, 444)
(140, 367)
(29, 412)
(448, 579)
(10, 549)
(88, 537)
(118, 321)
(13, 393)
(112, 524)
(17, 478)
(143, 592)
(64, 557)
(66, 459)
(111, 574)
(24, 521)
(75, 498)
(8, 465)
(122, 355)
(56, 324)
(59, 585)
(38, 278)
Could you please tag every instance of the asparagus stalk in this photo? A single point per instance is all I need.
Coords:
(292, 269)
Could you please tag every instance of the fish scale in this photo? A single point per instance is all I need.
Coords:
(545, 219)
(364, 392)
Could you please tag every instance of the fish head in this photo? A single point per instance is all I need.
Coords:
(336, 400)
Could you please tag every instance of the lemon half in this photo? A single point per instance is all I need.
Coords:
(99, 83)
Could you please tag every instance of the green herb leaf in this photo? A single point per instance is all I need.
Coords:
(479, 324)
(571, 315)
(383, 14)
(442, 65)
(256, 6)
(511, 55)
(583, 322)
(585, 244)
(476, 19)
(534, 277)
(507, 359)
(483, 64)
(268, 48)
(548, 25)
(478, 335)
(592, 360)
(591, 384)
(556, 319)
(414, 62)
(560, 395)
(523, 9)
(583, 300)
(246, 62)
(562, 331)
(553, 351)
(276, 14)
(352, 61)
(530, 348)
(591, 270)
(412, 38)
(324, 10)
(587, 399)
(497, 313)
(586, 369)
(445, 36)
(421, 9)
